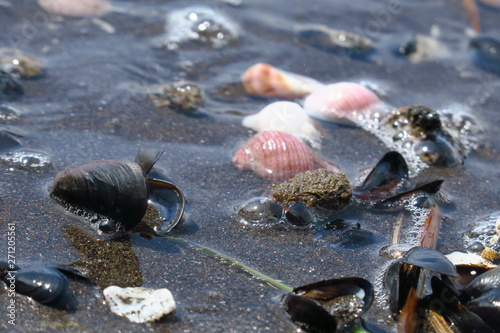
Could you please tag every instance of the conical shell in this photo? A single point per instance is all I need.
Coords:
(267, 81)
(288, 117)
(343, 102)
(279, 156)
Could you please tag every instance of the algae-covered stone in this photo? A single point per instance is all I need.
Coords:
(315, 188)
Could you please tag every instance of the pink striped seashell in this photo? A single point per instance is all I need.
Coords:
(279, 156)
(342, 102)
(76, 7)
(267, 81)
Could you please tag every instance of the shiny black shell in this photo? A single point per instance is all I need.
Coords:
(116, 189)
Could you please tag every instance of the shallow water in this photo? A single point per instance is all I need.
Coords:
(92, 104)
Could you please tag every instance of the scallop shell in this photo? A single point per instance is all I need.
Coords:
(278, 156)
(140, 305)
(76, 7)
(343, 102)
(267, 81)
(288, 117)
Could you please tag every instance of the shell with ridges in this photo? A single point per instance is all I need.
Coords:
(278, 156)
(267, 81)
(343, 102)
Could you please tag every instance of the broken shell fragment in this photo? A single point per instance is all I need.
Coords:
(20, 63)
(180, 96)
(140, 305)
(318, 188)
(288, 117)
(267, 81)
(278, 156)
(76, 7)
(343, 102)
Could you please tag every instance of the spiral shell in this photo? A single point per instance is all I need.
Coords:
(288, 117)
(76, 7)
(343, 102)
(278, 156)
(267, 81)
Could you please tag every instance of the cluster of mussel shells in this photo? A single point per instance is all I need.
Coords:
(427, 292)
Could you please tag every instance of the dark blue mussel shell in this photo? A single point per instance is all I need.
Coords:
(46, 284)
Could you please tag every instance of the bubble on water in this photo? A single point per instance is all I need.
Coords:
(483, 230)
(26, 160)
(465, 130)
(199, 24)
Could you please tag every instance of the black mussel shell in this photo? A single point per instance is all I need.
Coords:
(426, 188)
(438, 151)
(308, 314)
(46, 285)
(390, 175)
(403, 275)
(115, 189)
(444, 301)
(434, 260)
(299, 215)
(329, 289)
(170, 202)
(487, 306)
(483, 283)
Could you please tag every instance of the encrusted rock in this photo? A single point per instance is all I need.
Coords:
(315, 188)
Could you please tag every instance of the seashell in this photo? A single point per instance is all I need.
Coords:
(344, 103)
(76, 7)
(278, 156)
(10, 88)
(288, 117)
(468, 259)
(299, 215)
(20, 63)
(116, 190)
(267, 81)
(180, 96)
(140, 305)
(325, 306)
(389, 177)
(46, 284)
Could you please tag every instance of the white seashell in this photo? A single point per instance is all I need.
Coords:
(460, 258)
(279, 156)
(288, 117)
(343, 102)
(139, 305)
(267, 81)
(76, 7)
